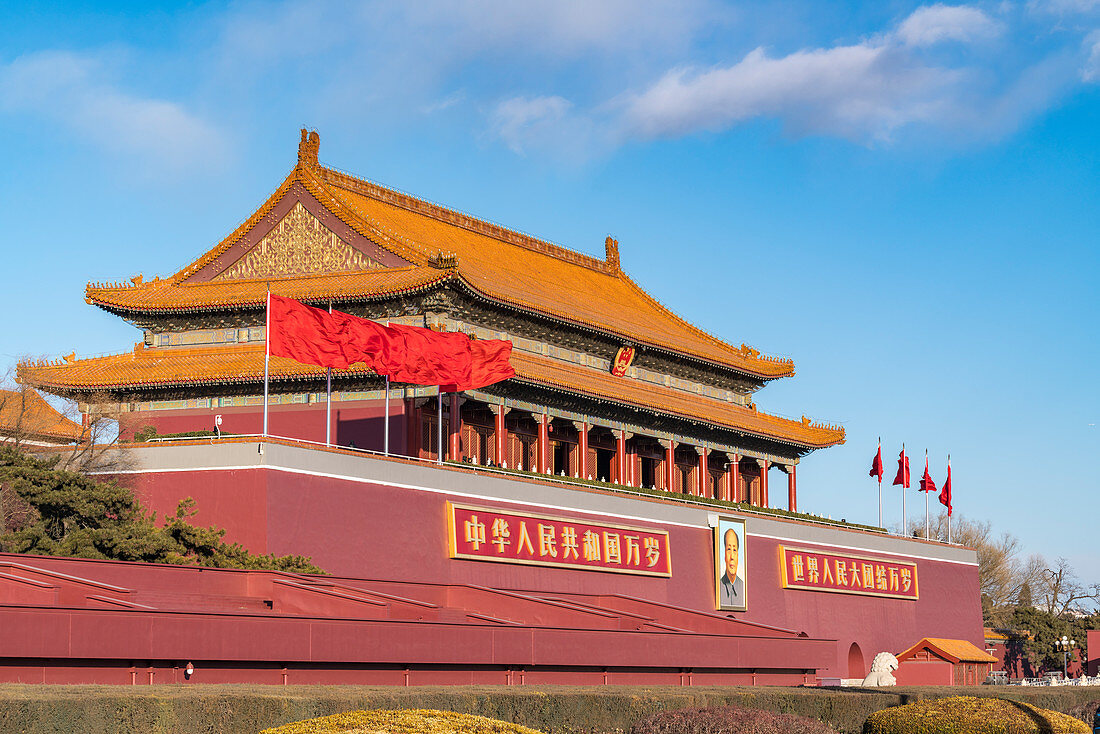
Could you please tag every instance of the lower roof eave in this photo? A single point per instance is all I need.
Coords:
(127, 393)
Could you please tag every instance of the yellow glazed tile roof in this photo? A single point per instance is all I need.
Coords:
(173, 366)
(955, 650)
(496, 263)
(28, 415)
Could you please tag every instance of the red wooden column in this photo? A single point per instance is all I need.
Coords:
(544, 443)
(582, 446)
(670, 463)
(500, 433)
(704, 471)
(792, 501)
(621, 467)
(454, 447)
(723, 487)
(735, 478)
(764, 482)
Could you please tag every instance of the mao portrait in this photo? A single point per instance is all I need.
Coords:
(730, 565)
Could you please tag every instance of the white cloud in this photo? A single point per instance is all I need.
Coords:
(933, 24)
(549, 124)
(70, 89)
(519, 119)
(855, 91)
(1091, 70)
(863, 91)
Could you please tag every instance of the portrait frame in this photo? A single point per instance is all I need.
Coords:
(737, 526)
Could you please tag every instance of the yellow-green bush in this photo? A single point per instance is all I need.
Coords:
(416, 721)
(970, 715)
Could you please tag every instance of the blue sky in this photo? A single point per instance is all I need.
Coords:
(903, 198)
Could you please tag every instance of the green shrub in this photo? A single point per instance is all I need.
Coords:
(971, 715)
(417, 721)
(728, 720)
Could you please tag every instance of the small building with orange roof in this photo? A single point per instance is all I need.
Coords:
(940, 662)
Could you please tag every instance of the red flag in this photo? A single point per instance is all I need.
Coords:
(926, 483)
(903, 470)
(306, 334)
(876, 465)
(945, 493)
(409, 354)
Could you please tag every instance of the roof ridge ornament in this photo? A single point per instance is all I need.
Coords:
(444, 260)
(611, 251)
(308, 147)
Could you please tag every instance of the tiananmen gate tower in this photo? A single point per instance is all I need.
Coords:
(602, 517)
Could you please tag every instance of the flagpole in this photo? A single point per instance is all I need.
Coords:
(267, 351)
(949, 500)
(386, 425)
(926, 524)
(439, 427)
(328, 399)
(904, 524)
(880, 481)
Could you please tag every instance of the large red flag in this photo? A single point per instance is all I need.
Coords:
(876, 465)
(903, 470)
(926, 483)
(945, 493)
(409, 354)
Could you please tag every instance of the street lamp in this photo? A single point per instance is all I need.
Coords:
(1065, 645)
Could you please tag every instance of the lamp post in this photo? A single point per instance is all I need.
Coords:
(1065, 645)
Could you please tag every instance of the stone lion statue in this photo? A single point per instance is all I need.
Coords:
(882, 668)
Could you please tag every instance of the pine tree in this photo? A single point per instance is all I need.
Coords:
(70, 514)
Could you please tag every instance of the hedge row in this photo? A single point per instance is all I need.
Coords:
(229, 709)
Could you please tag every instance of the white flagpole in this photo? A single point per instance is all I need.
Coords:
(949, 500)
(926, 493)
(328, 399)
(904, 523)
(386, 425)
(267, 352)
(439, 427)
(880, 483)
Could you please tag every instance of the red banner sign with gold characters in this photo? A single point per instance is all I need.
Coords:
(844, 574)
(485, 534)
